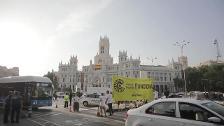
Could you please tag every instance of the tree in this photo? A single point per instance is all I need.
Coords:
(193, 79)
(179, 84)
(53, 78)
(205, 78)
(215, 74)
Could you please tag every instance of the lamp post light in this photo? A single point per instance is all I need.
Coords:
(182, 44)
(151, 59)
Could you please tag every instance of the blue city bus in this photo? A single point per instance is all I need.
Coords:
(36, 91)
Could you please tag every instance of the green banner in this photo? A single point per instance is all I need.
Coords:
(130, 89)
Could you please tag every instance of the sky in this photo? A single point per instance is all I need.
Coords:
(35, 35)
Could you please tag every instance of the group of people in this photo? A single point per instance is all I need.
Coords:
(72, 101)
(105, 102)
(13, 105)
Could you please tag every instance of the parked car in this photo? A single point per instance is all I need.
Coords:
(60, 94)
(177, 112)
(90, 99)
(175, 95)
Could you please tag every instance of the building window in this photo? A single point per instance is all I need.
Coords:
(166, 87)
(161, 74)
(161, 78)
(126, 66)
(157, 88)
(102, 49)
(126, 74)
(161, 88)
(63, 80)
(148, 74)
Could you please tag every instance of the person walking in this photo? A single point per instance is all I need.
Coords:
(166, 93)
(66, 98)
(70, 99)
(76, 103)
(7, 107)
(56, 100)
(109, 102)
(16, 102)
(156, 95)
(102, 105)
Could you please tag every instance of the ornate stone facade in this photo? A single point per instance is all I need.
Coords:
(97, 76)
(5, 72)
(68, 75)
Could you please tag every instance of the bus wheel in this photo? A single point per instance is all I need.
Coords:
(85, 103)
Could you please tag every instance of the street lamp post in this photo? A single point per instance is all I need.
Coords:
(185, 83)
(151, 59)
(182, 45)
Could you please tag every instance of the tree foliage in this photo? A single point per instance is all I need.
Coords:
(53, 78)
(204, 78)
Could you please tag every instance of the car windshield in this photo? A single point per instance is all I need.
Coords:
(215, 107)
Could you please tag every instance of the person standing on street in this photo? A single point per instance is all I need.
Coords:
(156, 95)
(56, 100)
(102, 105)
(109, 102)
(16, 102)
(7, 107)
(166, 93)
(76, 103)
(66, 98)
(70, 99)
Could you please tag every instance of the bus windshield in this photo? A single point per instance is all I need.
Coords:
(43, 90)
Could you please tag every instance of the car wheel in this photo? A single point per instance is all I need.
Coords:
(85, 103)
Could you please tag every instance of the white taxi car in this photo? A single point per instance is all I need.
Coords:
(177, 112)
(90, 99)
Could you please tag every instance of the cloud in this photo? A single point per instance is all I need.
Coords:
(80, 18)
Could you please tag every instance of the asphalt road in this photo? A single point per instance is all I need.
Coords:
(50, 116)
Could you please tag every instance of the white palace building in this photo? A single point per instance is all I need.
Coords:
(97, 76)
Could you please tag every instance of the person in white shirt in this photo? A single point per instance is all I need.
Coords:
(76, 103)
(102, 105)
(109, 102)
(156, 95)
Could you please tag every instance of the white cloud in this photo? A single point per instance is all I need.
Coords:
(80, 18)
